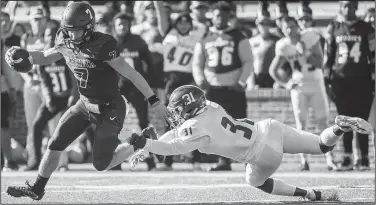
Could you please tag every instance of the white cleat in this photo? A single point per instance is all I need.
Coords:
(356, 124)
(315, 195)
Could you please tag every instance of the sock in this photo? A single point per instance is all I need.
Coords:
(301, 192)
(331, 135)
(39, 184)
(282, 188)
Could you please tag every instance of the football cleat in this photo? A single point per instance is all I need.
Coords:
(24, 191)
(315, 195)
(356, 124)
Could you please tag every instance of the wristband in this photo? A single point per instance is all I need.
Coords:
(153, 100)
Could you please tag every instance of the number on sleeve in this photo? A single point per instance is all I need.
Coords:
(112, 54)
(188, 131)
(233, 128)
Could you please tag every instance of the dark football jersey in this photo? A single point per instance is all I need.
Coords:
(135, 52)
(221, 50)
(96, 79)
(349, 49)
(56, 80)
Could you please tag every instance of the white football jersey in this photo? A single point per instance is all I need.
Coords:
(178, 50)
(298, 62)
(234, 139)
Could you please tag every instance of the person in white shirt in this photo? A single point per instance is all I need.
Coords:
(206, 126)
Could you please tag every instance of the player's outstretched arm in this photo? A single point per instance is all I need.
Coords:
(163, 18)
(47, 57)
(198, 66)
(245, 54)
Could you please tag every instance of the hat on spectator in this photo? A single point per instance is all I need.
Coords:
(37, 12)
(304, 10)
(281, 10)
(196, 4)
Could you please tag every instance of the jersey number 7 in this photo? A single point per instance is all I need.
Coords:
(233, 128)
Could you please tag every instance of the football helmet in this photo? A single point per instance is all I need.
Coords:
(185, 103)
(77, 16)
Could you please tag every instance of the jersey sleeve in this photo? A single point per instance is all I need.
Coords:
(185, 139)
(109, 50)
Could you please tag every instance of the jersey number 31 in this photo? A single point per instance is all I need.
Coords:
(233, 128)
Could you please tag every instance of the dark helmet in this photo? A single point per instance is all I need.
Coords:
(78, 16)
(185, 103)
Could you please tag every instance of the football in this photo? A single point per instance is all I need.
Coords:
(22, 61)
(284, 73)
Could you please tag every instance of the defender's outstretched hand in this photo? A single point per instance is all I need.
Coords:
(140, 155)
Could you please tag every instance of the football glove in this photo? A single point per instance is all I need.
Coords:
(137, 141)
(140, 155)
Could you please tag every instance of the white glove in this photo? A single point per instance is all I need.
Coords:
(138, 156)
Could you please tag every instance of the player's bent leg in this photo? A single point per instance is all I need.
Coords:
(107, 150)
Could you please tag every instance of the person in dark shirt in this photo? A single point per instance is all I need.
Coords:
(135, 51)
(348, 67)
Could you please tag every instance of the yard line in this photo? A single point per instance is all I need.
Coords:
(90, 188)
(73, 174)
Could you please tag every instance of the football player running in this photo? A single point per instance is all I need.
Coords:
(94, 59)
(206, 126)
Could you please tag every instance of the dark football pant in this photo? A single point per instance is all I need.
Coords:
(174, 80)
(42, 117)
(109, 123)
(353, 97)
(234, 102)
(6, 109)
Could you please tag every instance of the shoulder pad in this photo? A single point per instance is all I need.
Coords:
(108, 47)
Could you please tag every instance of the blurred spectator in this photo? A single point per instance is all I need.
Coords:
(33, 41)
(370, 16)
(8, 92)
(199, 9)
(311, 93)
(135, 52)
(221, 69)
(148, 30)
(178, 58)
(19, 30)
(281, 11)
(349, 64)
(263, 49)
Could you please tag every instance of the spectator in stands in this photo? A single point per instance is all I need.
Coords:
(281, 11)
(221, 69)
(135, 51)
(263, 50)
(370, 16)
(8, 92)
(349, 64)
(199, 9)
(312, 91)
(19, 30)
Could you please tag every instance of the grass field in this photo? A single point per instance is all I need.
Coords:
(83, 185)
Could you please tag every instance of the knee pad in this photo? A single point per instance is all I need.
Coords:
(324, 148)
(100, 165)
(267, 186)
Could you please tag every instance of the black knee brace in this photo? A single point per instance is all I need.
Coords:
(267, 186)
(324, 148)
